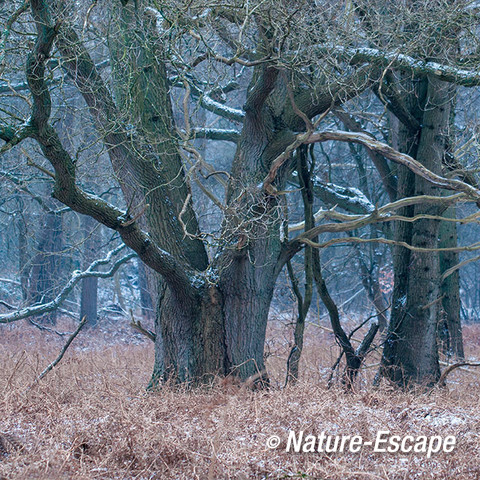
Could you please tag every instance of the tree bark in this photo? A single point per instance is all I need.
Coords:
(450, 328)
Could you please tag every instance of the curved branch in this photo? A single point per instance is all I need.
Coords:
(233, 114)
(13, 136)
(469, 248)
(451, 368)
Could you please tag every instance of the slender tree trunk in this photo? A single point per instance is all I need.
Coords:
(303, 301)
(23, 263)
(450, 329)
(45, 272)
(88, 299)
(146, 303)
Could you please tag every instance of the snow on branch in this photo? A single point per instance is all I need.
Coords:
(207, 98)
(76, 277)
(348, 198)
(446, 73)
(233, 114)
(13, 136)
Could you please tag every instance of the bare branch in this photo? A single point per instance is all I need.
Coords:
(382, 214)
(348, 198)
(336, 241)
(261, 90)
(76, 277)
(13, 136)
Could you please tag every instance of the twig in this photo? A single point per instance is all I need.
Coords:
(138, 326)
(218, 172)
(43, 328)
(32, 163)
(7, 305)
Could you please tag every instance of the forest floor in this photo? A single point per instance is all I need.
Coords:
(91, 418)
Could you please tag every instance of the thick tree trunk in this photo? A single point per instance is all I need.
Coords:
(411, 352)
(247, 288)
(218, 331)
(222, 329)
(191, 345)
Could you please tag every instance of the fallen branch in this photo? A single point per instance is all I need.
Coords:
(62, 352)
